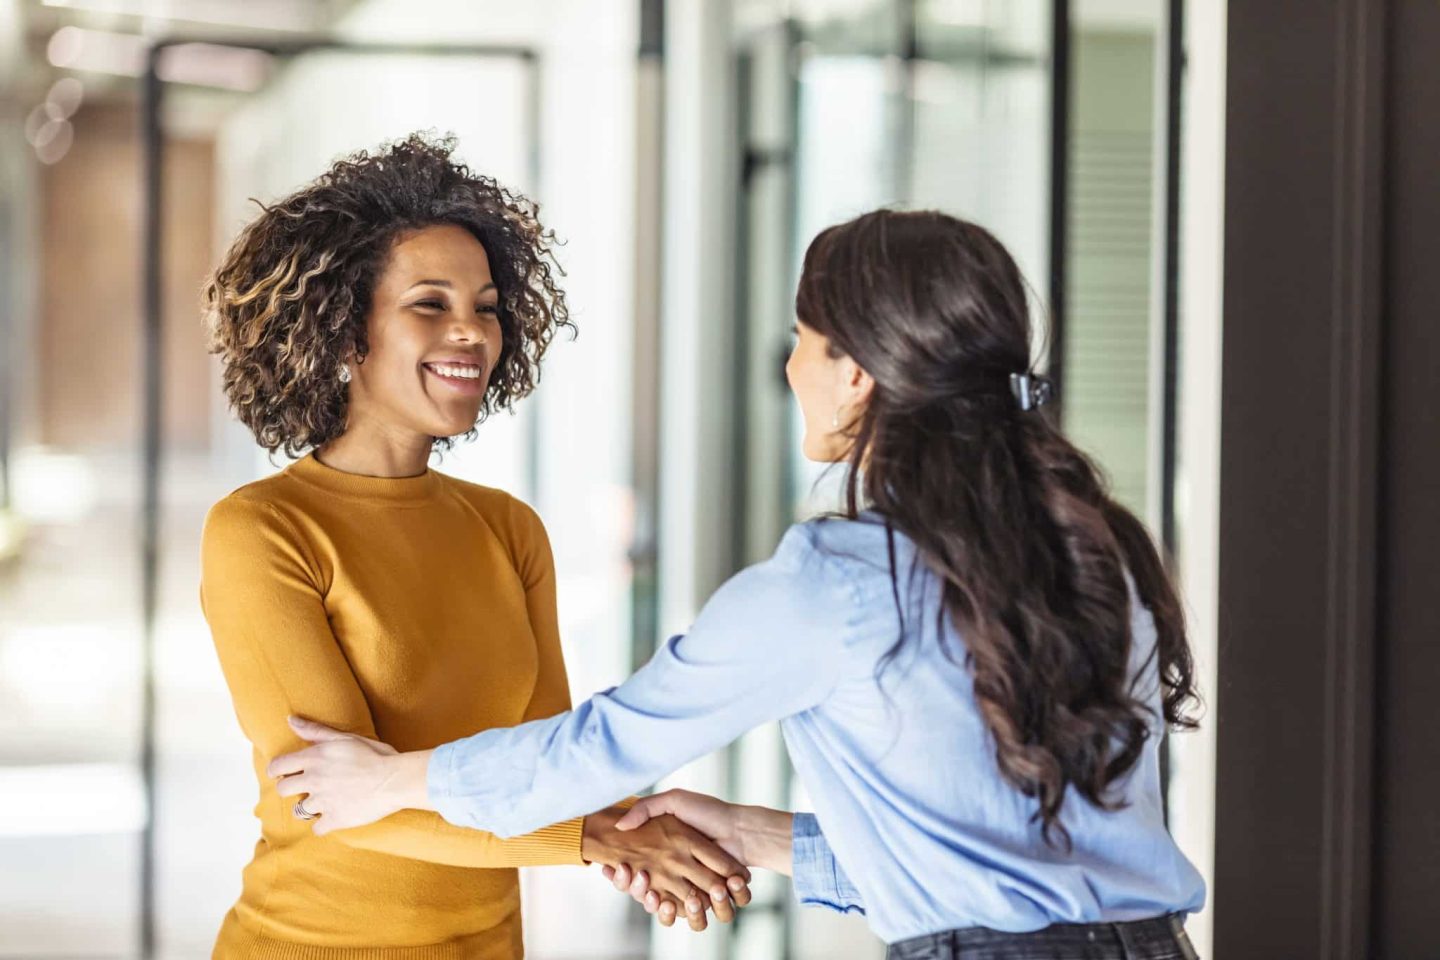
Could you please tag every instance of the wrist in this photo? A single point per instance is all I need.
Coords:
(597, 832)
(765, 838)
(408, 782)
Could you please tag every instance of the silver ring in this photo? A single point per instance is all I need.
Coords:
(300, 811)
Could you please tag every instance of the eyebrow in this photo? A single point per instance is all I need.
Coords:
(446, 284)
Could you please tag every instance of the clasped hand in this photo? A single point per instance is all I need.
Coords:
(673, 864)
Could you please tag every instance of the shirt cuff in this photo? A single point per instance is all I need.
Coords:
(440, 787)
(818, 879)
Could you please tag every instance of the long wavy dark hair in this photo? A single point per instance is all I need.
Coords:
(1017, 522)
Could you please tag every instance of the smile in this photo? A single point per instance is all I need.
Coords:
(456, 371)
(465, 379)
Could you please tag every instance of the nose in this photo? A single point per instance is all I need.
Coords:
(467, 329)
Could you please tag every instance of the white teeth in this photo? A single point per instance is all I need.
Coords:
(461, 373)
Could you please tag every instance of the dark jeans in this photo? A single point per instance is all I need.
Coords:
(1160, 938)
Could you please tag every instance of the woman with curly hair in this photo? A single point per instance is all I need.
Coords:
(366, 321)
(973, 664)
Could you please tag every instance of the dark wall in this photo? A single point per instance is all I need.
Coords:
(1326, 829)
(1407, 803)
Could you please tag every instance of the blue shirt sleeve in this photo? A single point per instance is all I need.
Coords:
(767, 645)
(819, 880)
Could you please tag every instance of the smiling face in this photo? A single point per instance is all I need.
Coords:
(434, 337)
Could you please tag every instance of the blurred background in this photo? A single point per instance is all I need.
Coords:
(687, 151)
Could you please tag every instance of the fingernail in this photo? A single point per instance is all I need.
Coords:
(692, 905)
(736, 884)
(718, 896)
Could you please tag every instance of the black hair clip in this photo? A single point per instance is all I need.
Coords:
(1031, 390)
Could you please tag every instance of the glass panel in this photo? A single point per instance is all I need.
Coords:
(1112, 324)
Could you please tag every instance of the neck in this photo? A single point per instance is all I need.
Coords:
(377, 451)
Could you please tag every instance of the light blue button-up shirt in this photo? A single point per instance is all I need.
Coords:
(913, 824)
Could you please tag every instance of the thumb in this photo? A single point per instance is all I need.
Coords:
(316, 732)
(638, 815)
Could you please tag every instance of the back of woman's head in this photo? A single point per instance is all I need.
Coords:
(1016, 521)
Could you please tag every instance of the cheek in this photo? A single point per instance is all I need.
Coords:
(805, 380)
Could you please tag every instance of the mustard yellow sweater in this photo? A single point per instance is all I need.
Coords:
(417, 611)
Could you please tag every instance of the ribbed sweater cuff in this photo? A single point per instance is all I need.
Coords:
(558, 843)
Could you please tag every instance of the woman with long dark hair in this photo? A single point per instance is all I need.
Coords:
(973, 664)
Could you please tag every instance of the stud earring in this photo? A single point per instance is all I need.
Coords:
(344, 373)
(835, 420)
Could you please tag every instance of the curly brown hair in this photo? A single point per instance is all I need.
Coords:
(289, 303)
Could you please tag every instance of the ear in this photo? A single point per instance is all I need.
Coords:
(859, 384)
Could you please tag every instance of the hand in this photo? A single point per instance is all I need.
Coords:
(724, 823)
(756, 836)
(684, 865)
(637, 884)
(349, 780)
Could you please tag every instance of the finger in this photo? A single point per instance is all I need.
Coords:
(609, 872)
(667, 912)
(640, 888)
(292, 762)
(621, 877)
(651, 902)
(317, 732)
(724, 909)
(644, 809)
(706, 883)
(695, 913)
(739, 891)
(639, 884)
(293, 786)
(712, 855)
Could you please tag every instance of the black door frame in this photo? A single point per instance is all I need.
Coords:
(1301, 426)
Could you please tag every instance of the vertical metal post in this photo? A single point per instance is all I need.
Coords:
(152, 354)
(1059, 186)
(645, 357)
(535, 172)
(1175, 73)
(9, 301)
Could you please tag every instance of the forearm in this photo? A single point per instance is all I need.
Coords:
(418, 835)
(764, 836)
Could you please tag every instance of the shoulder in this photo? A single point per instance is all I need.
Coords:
(270, 511)
(512, 519)
(863, 554)
(828, 566)
(251, 508)
(257, 528)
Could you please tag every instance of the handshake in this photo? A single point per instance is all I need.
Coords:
(680, 852)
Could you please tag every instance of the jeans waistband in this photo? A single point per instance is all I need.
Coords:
(1159, 938)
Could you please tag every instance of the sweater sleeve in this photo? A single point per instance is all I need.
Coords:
(262, 596)
(536, 564)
